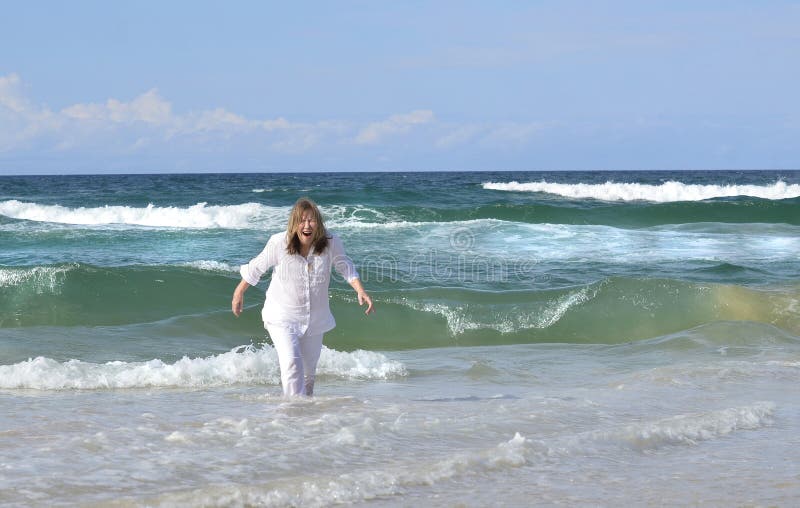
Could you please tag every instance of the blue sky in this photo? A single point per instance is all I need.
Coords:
(453, 85)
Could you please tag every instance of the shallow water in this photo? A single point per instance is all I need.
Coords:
(676, 420)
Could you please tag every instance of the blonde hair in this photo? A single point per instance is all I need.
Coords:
(320, 239)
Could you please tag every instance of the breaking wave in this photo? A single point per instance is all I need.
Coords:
(666, 192)
(200, 215)
(241, 365)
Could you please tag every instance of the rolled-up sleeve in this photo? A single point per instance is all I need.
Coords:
(343, 264)
(269, 257)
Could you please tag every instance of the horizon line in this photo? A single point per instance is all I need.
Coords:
(364, 171)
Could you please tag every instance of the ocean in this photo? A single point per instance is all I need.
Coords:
(540, 338)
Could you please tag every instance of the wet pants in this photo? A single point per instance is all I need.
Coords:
(297, 356)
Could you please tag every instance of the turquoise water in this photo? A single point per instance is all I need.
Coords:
(612, 328)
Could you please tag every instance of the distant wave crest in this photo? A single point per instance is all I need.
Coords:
(200, 215)
(666, 192)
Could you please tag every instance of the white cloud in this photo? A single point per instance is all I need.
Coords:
(149, 123)
(459, 135)
(277, 124)
(492, 136)
(511, 134)
(145, 121)
(218, 120)
(148, 108)
(221, 118)
(395, 124)
(296, 144)
(20, 121)
(10, 96)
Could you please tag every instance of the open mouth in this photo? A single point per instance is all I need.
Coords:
(306, 233)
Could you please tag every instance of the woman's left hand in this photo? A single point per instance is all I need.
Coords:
(363, 298)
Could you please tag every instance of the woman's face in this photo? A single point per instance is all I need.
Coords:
(306, 228)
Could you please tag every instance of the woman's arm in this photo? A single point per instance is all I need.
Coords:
(363, 297)
(237, 303)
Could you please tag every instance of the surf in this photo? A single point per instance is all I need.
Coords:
(241, 365)
(669, 191)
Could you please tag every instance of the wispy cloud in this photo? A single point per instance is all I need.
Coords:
(10, 97)
(459, 135)
(395, 124)
(511, 135)
(142, 122)
(20, 120)
(148, 108)
(149, 120)
(149, 124)
(505, 135)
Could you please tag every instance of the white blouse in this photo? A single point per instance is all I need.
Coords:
(297, 296)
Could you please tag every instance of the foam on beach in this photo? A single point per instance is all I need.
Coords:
(355, 486)
(360, 485)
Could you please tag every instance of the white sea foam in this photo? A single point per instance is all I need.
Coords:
(204, 216)
(243, 216)
(666, 192)
(339, 216)
(363, 223)
(41, 278)
(556, 310)
(599, 243)
(198, 216)
(358, 364)
(241, 365)
(355, 486)
(510, 319)
(685, 429)
(211, 266)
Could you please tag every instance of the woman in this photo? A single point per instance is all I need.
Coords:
(296, 312)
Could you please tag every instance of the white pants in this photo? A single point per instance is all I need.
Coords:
(297, 357)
